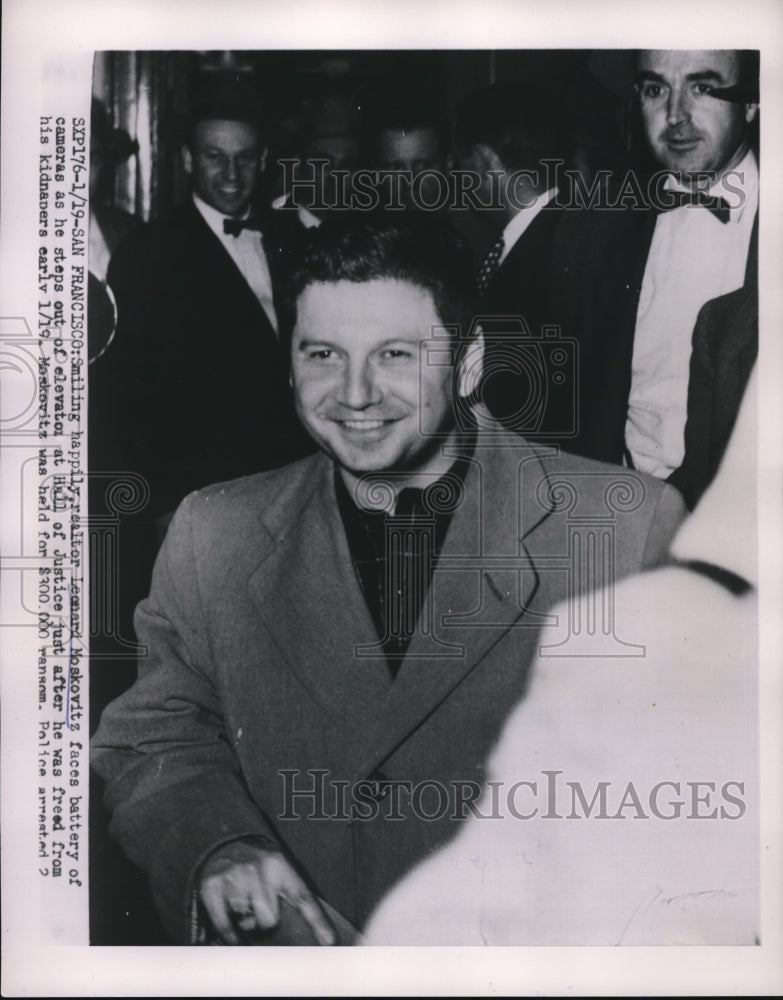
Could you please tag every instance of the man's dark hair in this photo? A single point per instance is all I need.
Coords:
(405, 246)
(518, 123)
(749, 71)
(745, 91)
(225, 97)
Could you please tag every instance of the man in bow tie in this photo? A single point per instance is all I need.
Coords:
(646, 276)
(201, 377)
(224, 159)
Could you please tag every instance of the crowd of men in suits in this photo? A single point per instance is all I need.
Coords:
(611, 292)
(250, 336)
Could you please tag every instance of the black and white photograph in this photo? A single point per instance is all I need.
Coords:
(391, 484)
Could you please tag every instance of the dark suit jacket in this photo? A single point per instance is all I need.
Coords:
(255, 628)
(530, 378)
(604, 255)
(201, 379)
(725, 347)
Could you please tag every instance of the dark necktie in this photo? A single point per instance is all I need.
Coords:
(490, 264)
(233, 227)
(718, 206)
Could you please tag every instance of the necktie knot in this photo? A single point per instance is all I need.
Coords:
(233, 227)
(490, 264)
(719, 207)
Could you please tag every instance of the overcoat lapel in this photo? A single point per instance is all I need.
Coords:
(486, 581)
(484, 584)
(310, 601)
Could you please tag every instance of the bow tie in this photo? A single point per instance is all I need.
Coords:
(718, 206)
(233, 227)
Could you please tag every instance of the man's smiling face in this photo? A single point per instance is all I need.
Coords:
(362, 389)
(224, 163)
(689, 130)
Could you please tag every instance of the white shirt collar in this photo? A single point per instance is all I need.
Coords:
(522, 220)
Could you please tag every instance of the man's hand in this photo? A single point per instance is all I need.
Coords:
(241, 885)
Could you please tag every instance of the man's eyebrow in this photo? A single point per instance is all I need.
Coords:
(305, 344)
(646, 75)
(706, 74)
(401, 339)
(210, 148)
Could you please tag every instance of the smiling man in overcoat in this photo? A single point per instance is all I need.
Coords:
(334, 647)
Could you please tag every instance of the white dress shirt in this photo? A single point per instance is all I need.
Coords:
(522, 221)
(247, 252)
(694, 257)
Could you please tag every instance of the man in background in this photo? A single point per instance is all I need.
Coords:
(408, 141)
(201, 378)
(332, 147)
(507, 137)
(109, 225)
(639, 278)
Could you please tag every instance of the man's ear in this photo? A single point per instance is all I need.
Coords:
(471, 366)
(262, 159)
(187, 159)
